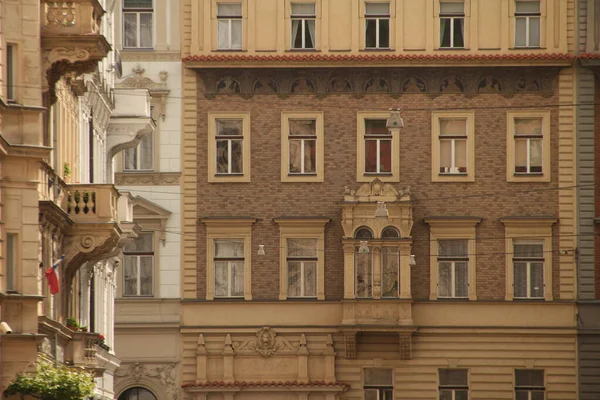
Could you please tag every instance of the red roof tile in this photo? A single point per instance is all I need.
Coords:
(589, 56)
(265, 384)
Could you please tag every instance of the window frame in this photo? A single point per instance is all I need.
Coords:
(453, 228)
(215, 27)
(137, 148)
(361, 175)
(12, 272)
(528, 261)
(319, 175)
(301, 228)
(452, 261)
(546, 174)
(378, 388)
(528, 16)
(452, 17)
(138, 256)
(529, 389)
(11, 75)
(212, 147)
(230, 261)
(530, 228)
(228, 228)
(138, 12)
(436, 118)
(363, 25)
(303, 18)
(452, 388)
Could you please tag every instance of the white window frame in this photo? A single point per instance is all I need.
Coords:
(138, 12)
(527, 17)
(230, 19)
(319, 174)
(230, 265)
(452, 17)
(511, 175)
(137, 256)
(378, 18)
(303, 18)
(453, 261)
(138, 155)
(212, 148)
(528, 261)
(452, 388)
(436, 118)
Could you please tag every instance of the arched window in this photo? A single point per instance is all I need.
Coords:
(390, 233)
(363, 233)
(137, 393)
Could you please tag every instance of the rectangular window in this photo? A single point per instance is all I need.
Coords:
(529, 384)
(378, 384)
(229, 267)
(230, 145)
(453, 146)
(378, 147)
(528, 145)
(139, 266)
(527, 23)
(363, 267)
(452, 24)
(528, 262)
(11, 72)
(137, 24)
(11, 262)
(302, 261)
(454, 384)
(229, 26)
(377, 25)
(390, 271)
(140, 157)
(303, 25)
(453, 268)
(303, 146)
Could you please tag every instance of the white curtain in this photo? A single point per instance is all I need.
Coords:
(295, 27)
(311, 31)
(223, 34)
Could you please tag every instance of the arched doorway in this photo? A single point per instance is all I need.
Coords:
(137, 393)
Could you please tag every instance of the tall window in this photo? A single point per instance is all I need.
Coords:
(529, 384)
(137, 24)
(363, 265)
(454, 384)
(137, 393)
(11, 71)
(140, 157)
(390, 265)
(378, 147)
(453, 146)
(229, 267)
(528, 262)
(229, 26)
(453, 268)
(528, 145)
(452, 24)
(377, 25)
(230, 146)
(527, 23)
(139, 266)
(11, 262)
(303, 25)
(378, 384)
(302, 261)
(303, 146)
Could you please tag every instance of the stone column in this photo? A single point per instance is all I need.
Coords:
(376, 271)
(228, 362)
(302, 360)
(329, 361)
(405, 248)
(201, 361)
(348, 270)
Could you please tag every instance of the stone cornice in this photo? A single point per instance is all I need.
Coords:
(147, 178)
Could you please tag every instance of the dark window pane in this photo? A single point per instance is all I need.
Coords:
(222, 156)
(453, 377)
(444, 32)
(453, 248)
(384, 33)
(459, 40)
(378, 377)
(376, 127)
(370, 155)
(385, 156)
(371, 33)
(237, 166)
(529, 377)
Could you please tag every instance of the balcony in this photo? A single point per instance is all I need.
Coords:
(72, 39)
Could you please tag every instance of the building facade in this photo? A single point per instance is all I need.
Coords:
(334, 249)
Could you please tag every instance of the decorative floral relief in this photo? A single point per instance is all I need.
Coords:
(489, 84)
(414, 85)
(339, 85)
(452, 85)
(165, 373)
(227, 86)
(377, 85)
(265, 86)
(303, 85)
(265, 343)
(527, 85)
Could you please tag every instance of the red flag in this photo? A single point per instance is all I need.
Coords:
(52, 277)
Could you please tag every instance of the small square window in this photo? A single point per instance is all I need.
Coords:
(454, 384)
(378, 384)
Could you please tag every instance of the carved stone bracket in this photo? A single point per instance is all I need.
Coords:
(265, 344)
(158, 90)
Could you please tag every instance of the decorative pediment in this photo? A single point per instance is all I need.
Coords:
(158, 90)
(151, 216)
(265, 344)
(376, 191)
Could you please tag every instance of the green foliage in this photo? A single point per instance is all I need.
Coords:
(66, 170)
(54, 383)
(72, 322)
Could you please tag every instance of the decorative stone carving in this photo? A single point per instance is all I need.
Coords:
(158, 91)
(452, 85)
(489, 84)
(265, 86)
(265, 344)
(414, 85)
(228, 86)
(377, 85)
(405, 346)
(150, 178)
(339, 85)
(165, 374)
(350, 345)
(303, 85)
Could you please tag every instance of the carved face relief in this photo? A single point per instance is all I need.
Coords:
(266, 338)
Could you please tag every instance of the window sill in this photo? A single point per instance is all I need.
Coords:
(529, 299)
(138, 171)
(230, 51)
(302, 51)
(527, 48)
(454, 174)
(377, 49)
(452, 49)
(226, 175)
(525, 174)
(138, 49)
(378, 174)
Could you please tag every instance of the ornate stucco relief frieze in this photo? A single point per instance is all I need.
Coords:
(147, 178)
(163, 376)
(265, 344)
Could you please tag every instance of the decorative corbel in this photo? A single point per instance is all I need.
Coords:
(302, 353)
(228, 360)
(201, 361)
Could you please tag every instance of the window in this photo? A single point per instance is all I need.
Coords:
(528, 262)
(302, 267)
(527, 23)
(452, 24)
(229, 26)
(137, 24)
(229, 153)
(528, 151)
(453, 147)
(11, 262)
(390, 271)
(229, 267)
(302, 258)
(137, 393)
(452, 257)
(453, 268)
(228, 257)
(363, 264)
(11, 71)
(377, 25)
(529, 384)
(378, 384)
(139, 266)
(529, 257)
(377, 149)
(454, 384)
(303, 26)
(302, 147)
(140, 157)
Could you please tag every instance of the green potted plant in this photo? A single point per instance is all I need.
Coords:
(72, 324)
(66, 170)
(83, 328)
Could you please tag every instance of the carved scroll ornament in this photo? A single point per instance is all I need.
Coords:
(265, 344)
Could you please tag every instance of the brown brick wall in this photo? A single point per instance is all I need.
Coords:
(267, 197)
